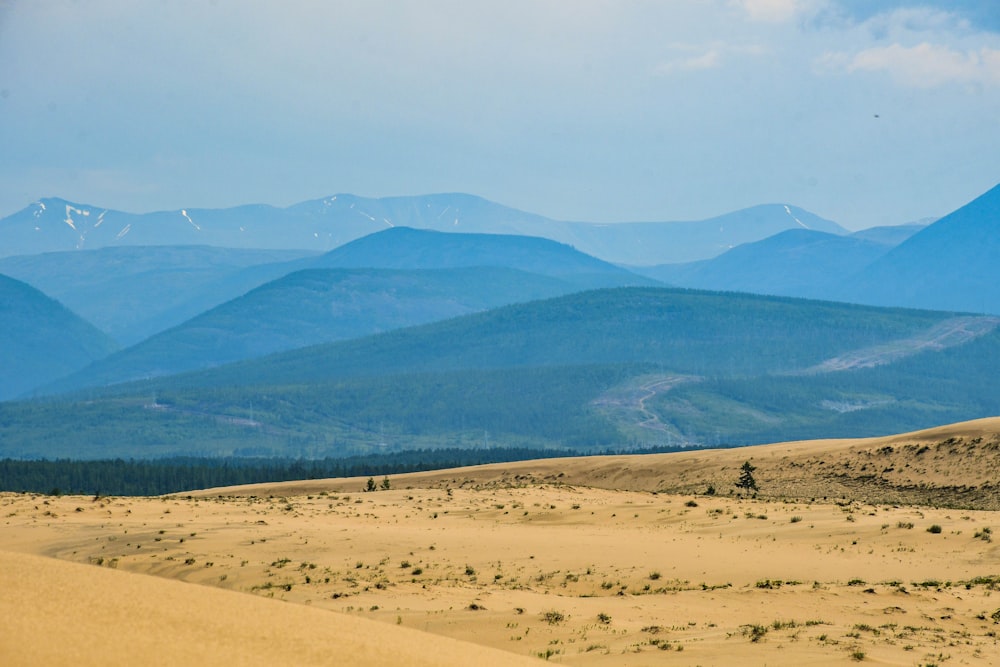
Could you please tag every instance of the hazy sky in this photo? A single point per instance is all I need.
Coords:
(861, 111)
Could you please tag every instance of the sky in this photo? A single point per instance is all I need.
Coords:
(864, 112)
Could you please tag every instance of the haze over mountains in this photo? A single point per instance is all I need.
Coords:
(41, 340)
(131, 293)
(570, 368)
(943, 266)
(951, 264)
(52, 225)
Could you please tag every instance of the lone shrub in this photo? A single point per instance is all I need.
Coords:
(553, 617)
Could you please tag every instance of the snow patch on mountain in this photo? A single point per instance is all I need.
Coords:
(188, 218)
(792, 215)
(69, 216)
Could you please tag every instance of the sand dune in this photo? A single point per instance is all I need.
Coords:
(60, 613)
(599, 561)
(949, 465)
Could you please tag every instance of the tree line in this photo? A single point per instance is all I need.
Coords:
(121, 477)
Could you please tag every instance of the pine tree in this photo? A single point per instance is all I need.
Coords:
(746, 480)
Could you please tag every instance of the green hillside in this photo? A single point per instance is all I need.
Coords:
(682, 331)
(608, 369)
(316, 306)
(40, 339)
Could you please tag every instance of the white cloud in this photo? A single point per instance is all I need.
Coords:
(775, 11)
(922, 66)
(708, 60)
(700, 57)
(916, 19)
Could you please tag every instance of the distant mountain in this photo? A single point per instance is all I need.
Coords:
(650, 243)
(40, 339)
(317, 306)
(53, 224)
(131, 292)
(50, 225)
(395, 278)
(949, 265)
(891, 235)
(796, 262)
(404, 248)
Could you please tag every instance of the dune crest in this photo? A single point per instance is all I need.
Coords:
(60, 613)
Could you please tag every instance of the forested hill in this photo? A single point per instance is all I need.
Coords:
(680, 330)
(605, 369)
(41, 339)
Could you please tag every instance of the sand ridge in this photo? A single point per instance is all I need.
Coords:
(954, 465)
(62, 613)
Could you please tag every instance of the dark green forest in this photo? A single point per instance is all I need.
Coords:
(178, 474)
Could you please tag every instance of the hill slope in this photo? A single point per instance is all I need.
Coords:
(797, 262)
(131, 292)
(685, 331)
(949, 265)
(40, 339)
(316, 306)
(406, 248)
(612, 368)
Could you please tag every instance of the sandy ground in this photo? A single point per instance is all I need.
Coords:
(585, 561)
(59, 613)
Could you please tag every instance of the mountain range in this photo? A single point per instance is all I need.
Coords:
(391, 279)
(946, 265)
(406, 328)
(51, 225)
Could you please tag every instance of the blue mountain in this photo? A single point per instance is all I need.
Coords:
(949, 265)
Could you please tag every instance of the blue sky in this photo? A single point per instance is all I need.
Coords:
(864, 112)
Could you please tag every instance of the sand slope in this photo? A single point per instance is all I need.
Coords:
(60, 613)
(954, 465)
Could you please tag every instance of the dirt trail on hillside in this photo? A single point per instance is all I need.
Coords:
(950, 333)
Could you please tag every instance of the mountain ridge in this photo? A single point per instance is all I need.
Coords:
(53, 224)
(41, 339)
(949, 264)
